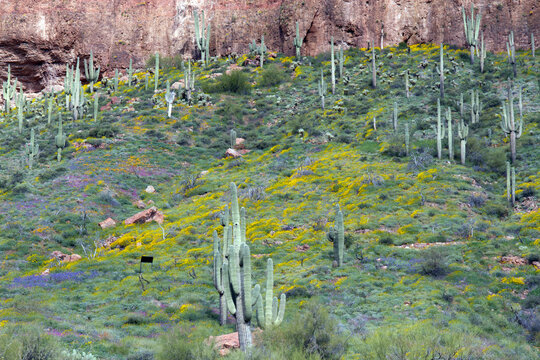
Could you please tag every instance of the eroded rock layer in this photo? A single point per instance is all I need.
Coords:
(38, 37)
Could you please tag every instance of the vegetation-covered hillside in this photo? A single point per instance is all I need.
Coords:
(438, 263)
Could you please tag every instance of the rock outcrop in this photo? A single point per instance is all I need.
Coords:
(39, 37)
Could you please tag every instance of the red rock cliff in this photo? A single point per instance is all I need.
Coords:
(38, 37)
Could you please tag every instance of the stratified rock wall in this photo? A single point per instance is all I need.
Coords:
(38, 37)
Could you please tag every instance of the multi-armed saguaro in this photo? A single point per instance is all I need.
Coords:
(91, 73)
(232, 278)
(472, 29)
(202, 36)
(508, 124)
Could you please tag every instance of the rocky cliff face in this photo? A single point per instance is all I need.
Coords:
(38, 37)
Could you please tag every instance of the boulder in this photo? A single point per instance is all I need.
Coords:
(240, 143)
(139, 204)
(109, 222)
(145, 216)
(150, 189)
(225, 343)
(232, 153)
(64, 257)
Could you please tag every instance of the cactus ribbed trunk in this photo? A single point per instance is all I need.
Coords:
(244, 330)
(463, 149)
(513, 146)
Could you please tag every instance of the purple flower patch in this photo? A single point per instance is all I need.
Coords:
(52, 279)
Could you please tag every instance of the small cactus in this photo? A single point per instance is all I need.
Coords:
(336, 235)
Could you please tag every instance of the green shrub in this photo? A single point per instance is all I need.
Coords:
(313, 332)
(182, 343)
(434, 262)
(237, 82)
(27, 342)
(272, 75)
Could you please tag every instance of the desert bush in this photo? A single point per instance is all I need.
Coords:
(434, 262)
(236, 82)
(182, 343)
(313, 332)
(27, 342)
(422, 340)
(272, 75)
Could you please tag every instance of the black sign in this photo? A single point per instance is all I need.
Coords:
(147, 259)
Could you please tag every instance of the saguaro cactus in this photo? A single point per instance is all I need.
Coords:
(395, 117)
(407, 84)
(8, 90)
(270, 316)
(91, 73)
(189, 82)
(463, 132)
(482, 52)
(532, 45)
(511, 49)
(49, 108)
(32, 149)
(233, 138)
(60, 139)
(341, 61)
(440, 130)
(476, 106)
(96, 106)
(472, 29)
(510, 183)
(373, 66)
(508, 124)
(156, 72)
(322, 89)
(297, 42)
(232, 277)
(130, 72)
(261, 49)
(202, 37)
(169, 97)
(333, 64)
(450, 137)
(441, 71)
(20, 102)
(336, 235)
(407, 139)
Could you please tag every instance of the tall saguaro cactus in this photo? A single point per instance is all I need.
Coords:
(8, 90)
(336, 235)
(322, 89)
(450, 137)
(440, 130)
(169, 98)
(272, 315)
(60, 139)
(510, 183)
(333, 63)
(232, 277)
(373, 66)
(511, 49)
(130, 72)
(91, 73)
(297, 42)
(32, 149)
(395, 117)
(482, 52)
(156, 72)
(508, 124)
(472, 28)
(202, 36)
(441, 71)
(463, 133)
